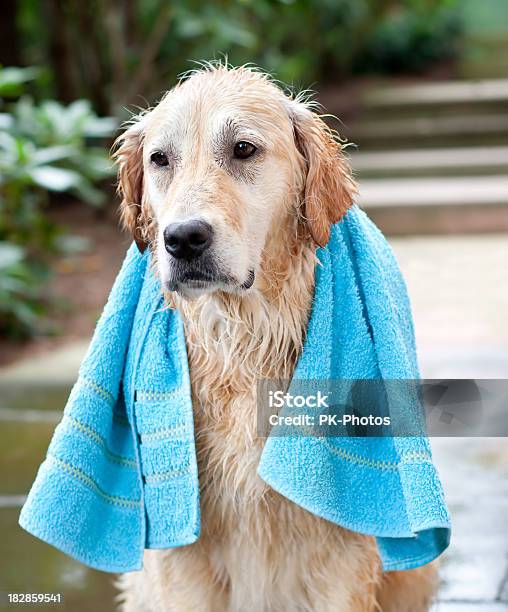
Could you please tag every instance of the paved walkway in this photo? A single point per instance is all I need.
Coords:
(58, 368)
(459, 291)
(458, 287)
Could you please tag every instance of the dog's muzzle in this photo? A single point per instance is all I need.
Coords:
(192, 262)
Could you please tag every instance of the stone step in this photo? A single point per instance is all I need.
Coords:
(432, 162)
(434, 111)
(434, 100)
(437, 95)
(437, 205)
(465, 130)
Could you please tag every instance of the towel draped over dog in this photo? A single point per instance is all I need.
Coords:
(121, 472)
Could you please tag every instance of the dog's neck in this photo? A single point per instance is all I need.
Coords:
(233, 340)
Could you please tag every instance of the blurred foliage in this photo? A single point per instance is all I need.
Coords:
(411, 41)
(13, 80)
(118, 53)
(121, 52)
(44, 149)
(21, 303)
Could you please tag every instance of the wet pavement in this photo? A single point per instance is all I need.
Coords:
(459, 292)
(475, 478)
(28, 415)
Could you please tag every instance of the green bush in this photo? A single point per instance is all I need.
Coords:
(410, 41)
(44, 149)
(21, 303)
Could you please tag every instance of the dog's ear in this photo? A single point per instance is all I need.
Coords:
(329, 186)
(128, 154)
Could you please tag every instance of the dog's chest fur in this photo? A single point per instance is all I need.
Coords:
(232, 343)
(253, 536)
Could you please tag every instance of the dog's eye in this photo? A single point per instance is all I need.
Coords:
(244, 149)
(159, 159)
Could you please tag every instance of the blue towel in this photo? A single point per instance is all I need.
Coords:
(121, 472)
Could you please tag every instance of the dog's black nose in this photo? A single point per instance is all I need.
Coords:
(187, 239)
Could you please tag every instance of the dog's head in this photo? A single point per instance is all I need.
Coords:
(217, 168)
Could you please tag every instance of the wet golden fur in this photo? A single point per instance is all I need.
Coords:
(258, 551)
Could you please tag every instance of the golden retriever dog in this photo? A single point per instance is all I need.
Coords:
(233, 185)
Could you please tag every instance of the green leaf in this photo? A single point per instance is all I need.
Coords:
(100, 127)
(96, 164)
(10, 255)
(6, 121)
(48, 155)
(55, 179)
(12, 80)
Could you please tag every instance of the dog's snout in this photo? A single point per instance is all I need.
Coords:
(188, 239)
